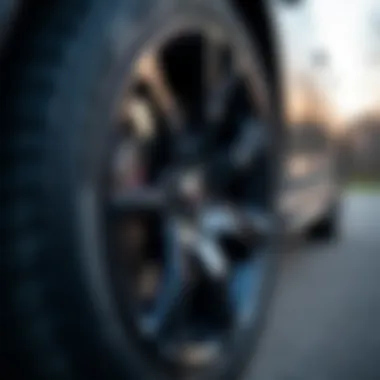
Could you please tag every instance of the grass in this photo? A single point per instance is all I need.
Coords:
(365, 186)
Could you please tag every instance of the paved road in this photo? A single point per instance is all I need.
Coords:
(325, 321)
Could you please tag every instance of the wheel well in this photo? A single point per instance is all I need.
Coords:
(256, 16)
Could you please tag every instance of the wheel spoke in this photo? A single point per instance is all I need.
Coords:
(218, 99)
(211, 257)
(248, 145)
(173, 311)
(219, 78)
(138, 115)
(177, 288)
(234, 221)
(152, 72)
(218, 220)
(231, 163)
(247, 278)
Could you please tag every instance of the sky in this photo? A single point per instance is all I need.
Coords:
(349, 32)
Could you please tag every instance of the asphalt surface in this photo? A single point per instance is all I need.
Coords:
(324, 323)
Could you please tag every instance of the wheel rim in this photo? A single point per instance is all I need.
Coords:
(189, 237)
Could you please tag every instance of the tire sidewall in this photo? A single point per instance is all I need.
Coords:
(79, 113)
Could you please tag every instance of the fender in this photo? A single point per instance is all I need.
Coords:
(256, 16)
(8, 11)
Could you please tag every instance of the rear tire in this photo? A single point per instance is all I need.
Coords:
(327, 228)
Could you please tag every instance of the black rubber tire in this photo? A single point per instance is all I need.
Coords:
(60, 78)
(327, 228)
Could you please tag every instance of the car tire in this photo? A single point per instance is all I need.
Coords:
(59, 74)
(327, 228)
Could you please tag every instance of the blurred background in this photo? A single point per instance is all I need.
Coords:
(331, 55)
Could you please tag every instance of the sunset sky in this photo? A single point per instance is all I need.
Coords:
(349, 32)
